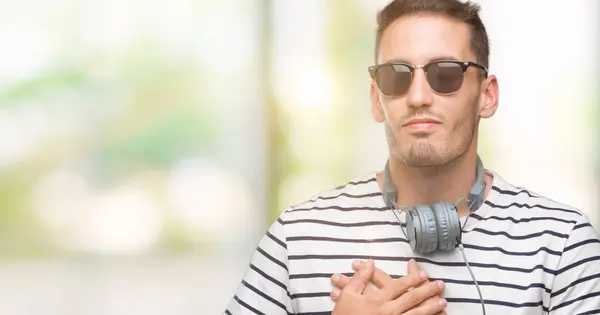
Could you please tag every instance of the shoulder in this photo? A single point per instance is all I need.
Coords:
(524, 202)
(359, 193)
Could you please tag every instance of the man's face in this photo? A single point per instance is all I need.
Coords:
(417, 40)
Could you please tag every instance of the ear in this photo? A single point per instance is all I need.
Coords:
(376, 109)
(489, 102)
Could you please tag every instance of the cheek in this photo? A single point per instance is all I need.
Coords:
(393, 111)
(465, 119)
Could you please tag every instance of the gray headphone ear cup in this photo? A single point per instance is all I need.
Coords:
(448, 225)
(422, 225)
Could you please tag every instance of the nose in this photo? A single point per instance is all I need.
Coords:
(419, 93)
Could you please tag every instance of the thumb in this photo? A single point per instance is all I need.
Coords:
(361, 279)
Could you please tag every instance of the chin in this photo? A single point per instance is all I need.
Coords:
(424, 154)
(428, 161)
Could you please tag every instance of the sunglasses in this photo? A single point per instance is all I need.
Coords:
(444, 76)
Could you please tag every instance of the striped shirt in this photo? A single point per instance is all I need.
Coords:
(529, 254)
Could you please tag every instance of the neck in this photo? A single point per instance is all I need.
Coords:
(427, 185)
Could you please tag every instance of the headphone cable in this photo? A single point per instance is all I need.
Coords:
(462, 251)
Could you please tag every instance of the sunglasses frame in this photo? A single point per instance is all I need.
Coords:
(464, 64)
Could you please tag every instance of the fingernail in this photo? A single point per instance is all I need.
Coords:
(357, 263)
(335, 293)
(423, 275)
(440, 284)
(335, 277)
(443, 302)
(370, 262)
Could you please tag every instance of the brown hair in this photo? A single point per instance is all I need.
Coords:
(466, 12)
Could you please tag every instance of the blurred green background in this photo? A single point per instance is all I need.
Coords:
(146, 146)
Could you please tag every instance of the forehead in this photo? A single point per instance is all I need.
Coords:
(420, 38)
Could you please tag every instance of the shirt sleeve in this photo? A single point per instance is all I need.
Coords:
(576, 287)
(264, 287)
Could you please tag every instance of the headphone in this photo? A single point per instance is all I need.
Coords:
(437, 226)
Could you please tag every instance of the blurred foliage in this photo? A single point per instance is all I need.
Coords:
(38, 86)
(145, 114)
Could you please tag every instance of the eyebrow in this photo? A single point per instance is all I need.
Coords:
(448, 57)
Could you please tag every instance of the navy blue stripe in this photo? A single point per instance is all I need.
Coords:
(353, 224)
(499, 249)
(341, 209)
(575, 264)
(520, 205)
(423, 260)
(578, 281)
(373, 194)
(445, 280)
(518, 237)
(316, 275)
(578, 299)
(449, 299)
(266, 276)
(356, 183)
(250, 308)
(264, 296)
(585, 242)
(309, 295)
(403, 240)
(276, 240)
(494, 302)
(521, 220)
(582, 225)
(512, 192)
(345, 240)
(497, 284)
(271, 258)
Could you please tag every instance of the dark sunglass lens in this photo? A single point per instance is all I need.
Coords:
(393, 80)
(445, 77)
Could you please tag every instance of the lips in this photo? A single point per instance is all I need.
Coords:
(421, 121)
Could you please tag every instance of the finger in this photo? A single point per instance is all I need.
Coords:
(412, 266)
(416, 296)
(400, 286)
(358, 264)
(339, 281)
(359, 281)
(335, 293)
(380, 278)
(435, 305)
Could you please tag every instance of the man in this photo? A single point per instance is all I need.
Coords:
(518, 252)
